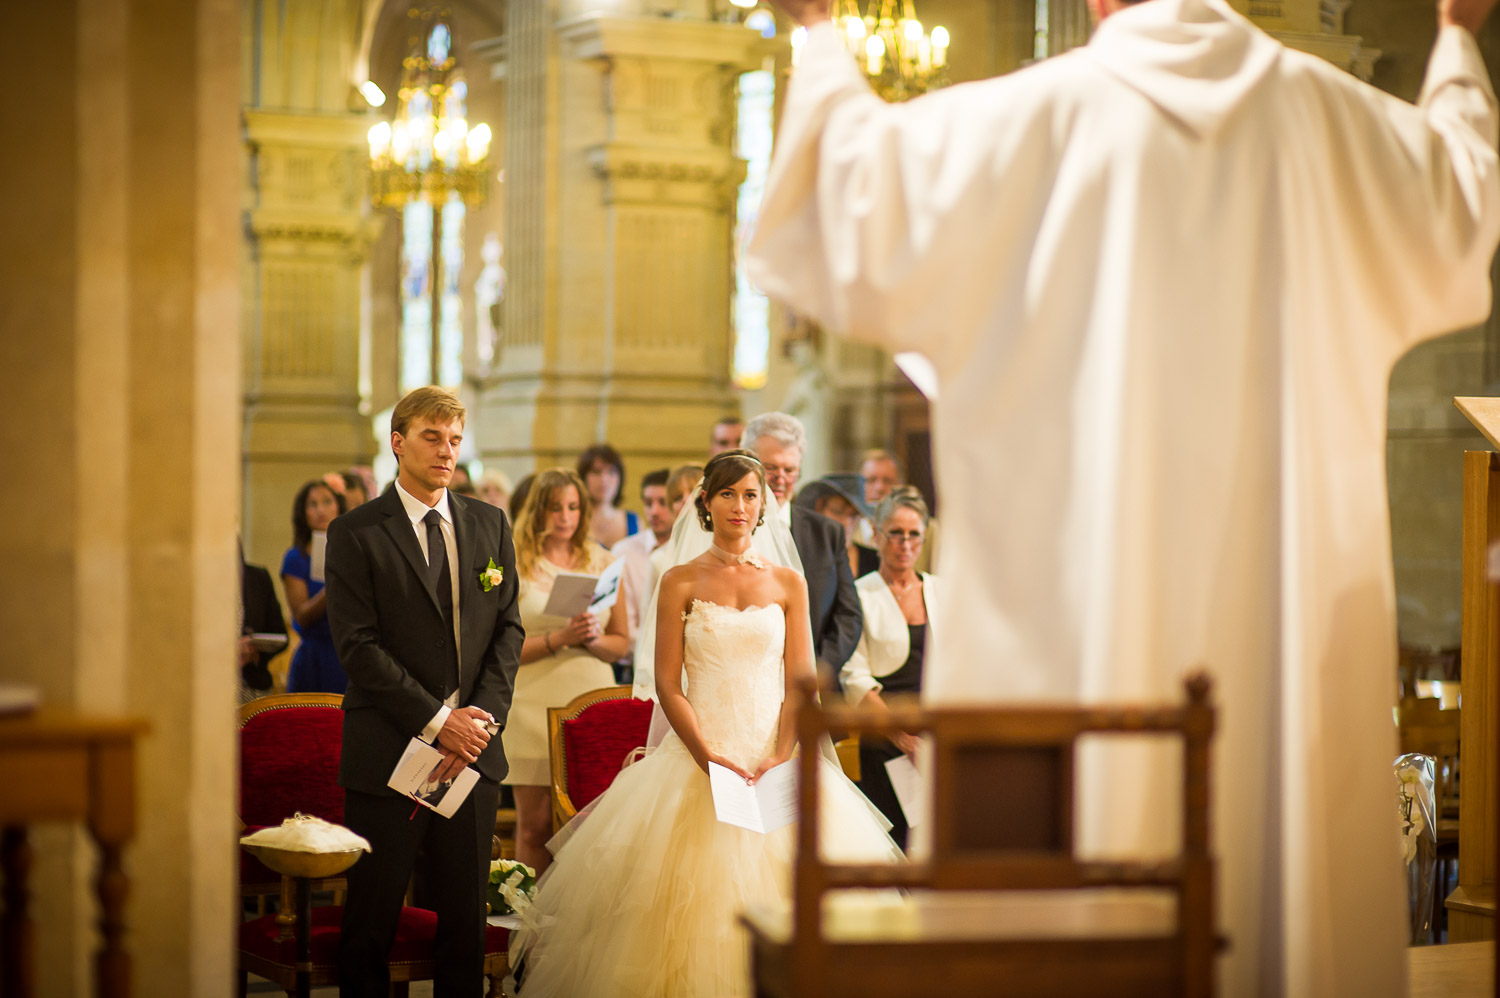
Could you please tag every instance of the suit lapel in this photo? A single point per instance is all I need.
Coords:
(466, 539)
(398, 525)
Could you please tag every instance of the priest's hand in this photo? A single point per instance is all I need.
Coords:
(1467, 14)
(804, 12)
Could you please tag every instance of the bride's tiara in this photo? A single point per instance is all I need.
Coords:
(732, 453)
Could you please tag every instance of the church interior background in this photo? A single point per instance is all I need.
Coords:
(203, 309)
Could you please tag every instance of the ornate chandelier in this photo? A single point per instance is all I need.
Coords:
(429, 152)
(899, 56)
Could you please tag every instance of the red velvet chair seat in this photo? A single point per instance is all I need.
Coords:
(597, 741)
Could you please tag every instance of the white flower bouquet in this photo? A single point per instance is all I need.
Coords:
(511, 888)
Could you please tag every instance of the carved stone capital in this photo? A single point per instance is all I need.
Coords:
(606, 36)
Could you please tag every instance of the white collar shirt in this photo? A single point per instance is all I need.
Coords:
(416, 511)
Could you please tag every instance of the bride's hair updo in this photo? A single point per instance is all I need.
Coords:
(724, 470)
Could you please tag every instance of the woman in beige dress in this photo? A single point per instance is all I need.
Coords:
(562, 657)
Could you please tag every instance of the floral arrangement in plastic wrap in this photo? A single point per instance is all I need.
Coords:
(1414, 804)
(511, 888)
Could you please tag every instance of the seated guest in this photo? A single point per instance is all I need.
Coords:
(260, 613)
(779, 441)
(842, 498)
(355, 493)
(897, 602)
(561, 656)
(636, 549)
(882, 475)
(518, 498)
(603, 472)
(726, 435)
(315, 664)
(494, 488)
(681, 482)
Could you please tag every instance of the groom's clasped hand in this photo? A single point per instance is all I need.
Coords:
(463, 736)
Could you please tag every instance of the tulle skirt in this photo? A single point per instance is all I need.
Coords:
(644, 896)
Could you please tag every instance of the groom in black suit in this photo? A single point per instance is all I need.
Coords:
(422, 602)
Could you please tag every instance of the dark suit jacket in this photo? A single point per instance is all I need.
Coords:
(832, 601)
(392, 640)
(262, 616)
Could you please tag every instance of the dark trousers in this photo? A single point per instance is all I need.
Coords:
(875, 783)
(454, 854)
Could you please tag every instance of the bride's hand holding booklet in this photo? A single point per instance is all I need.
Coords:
(764, 806)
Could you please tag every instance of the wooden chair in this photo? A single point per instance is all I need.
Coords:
(945, 940)
(1426, 728)
(591, 740)
(289, 759)
(285, 767)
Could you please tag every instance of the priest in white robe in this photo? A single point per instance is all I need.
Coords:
(1163, 279)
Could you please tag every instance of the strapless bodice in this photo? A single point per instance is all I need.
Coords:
(733, 663)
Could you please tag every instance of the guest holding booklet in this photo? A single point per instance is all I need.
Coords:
(897, 602)
(643, 897)
(562, 656)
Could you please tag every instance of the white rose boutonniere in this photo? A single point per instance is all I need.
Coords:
(491, 576)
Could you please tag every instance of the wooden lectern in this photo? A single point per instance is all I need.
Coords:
(1471, 906)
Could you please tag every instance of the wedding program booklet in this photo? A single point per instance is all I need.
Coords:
(413, 777)
(906, 780)
(768, 805)
(572, 593)
(318, 556)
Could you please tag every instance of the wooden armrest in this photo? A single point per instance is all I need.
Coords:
(1016, 915)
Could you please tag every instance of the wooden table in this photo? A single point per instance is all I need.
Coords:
(61, 765)
(1457, 970)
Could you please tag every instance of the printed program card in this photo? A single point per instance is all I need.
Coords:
(768, 805)
(413, 777)
(906, 780)
(571, 594)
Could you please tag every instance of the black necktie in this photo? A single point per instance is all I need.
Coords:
(442, 582)
(437, 564)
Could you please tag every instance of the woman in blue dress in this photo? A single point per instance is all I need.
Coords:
(315, 665)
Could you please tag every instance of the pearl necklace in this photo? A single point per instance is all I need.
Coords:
(750, 557)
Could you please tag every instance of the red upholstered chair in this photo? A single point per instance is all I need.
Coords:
(289, 760)
(592, 739)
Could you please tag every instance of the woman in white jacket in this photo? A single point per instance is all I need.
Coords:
(897, 602)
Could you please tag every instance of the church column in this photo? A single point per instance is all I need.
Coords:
(119, 257)
(309, 233)
(620, 162)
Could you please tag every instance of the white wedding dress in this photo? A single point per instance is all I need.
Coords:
(643, 898)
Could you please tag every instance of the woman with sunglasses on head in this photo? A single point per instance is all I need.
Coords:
(896, 601)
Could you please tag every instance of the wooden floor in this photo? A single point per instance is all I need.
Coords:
(1457, 970)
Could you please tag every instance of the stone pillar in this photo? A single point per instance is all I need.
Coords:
(619, 146)
(1068, 25)
(119, 271)
(309, 234)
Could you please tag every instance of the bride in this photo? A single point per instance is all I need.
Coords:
(643, 897)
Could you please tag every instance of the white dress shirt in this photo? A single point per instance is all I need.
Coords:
(636, 552)
(416, 510)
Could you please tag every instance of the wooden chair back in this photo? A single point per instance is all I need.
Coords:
(591, 740)
(983, 842)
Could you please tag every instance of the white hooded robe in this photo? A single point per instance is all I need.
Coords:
(1163, 279)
